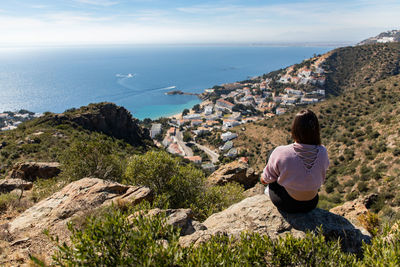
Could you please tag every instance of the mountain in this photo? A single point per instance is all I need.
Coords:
(48, 137)
(360, 128)
(384, 37)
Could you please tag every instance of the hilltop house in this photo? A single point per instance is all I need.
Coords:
(228, 136)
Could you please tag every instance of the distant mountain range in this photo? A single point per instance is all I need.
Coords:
(384, 37)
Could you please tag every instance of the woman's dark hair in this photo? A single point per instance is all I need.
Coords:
(305, 128)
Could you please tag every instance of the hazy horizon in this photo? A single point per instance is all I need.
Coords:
(179, 22)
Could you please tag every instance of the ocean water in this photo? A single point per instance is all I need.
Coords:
(136, 77)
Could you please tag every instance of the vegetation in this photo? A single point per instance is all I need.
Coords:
(121, 239)
(360, 131)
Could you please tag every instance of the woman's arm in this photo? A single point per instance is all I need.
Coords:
(271, 172)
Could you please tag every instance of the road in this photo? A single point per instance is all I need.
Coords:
(214, 156)
(179, 140)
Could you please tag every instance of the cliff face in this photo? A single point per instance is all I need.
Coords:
(106, 118)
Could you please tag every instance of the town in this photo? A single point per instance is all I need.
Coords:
(204, 134)
(10, 120)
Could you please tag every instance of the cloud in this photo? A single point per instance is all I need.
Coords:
(104, 3)
(307, 21)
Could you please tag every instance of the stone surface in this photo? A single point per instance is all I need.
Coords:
(76, 199)
(181, 218)
(258, 189)
(352, 210)
(258, 214)
(237, 171)
(107, 118)
(8, 185)
(30, 171)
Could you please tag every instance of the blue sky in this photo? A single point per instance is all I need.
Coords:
(187, 21)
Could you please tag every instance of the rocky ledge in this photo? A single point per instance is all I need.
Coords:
(106, 118)
(258, 214)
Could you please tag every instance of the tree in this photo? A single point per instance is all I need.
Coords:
(167, 176)
(185, 112)
(196, 108)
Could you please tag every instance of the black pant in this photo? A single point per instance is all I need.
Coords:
(283, 201)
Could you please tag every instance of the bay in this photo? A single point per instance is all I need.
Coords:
(137, 77)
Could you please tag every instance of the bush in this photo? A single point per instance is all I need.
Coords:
(217, 198)
(180, 183)
(95, 157)
(115, 240)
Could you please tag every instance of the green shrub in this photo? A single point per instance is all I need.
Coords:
(115, 240)
(93, 157)
(8, 200)
(180, 183)
(217, 198)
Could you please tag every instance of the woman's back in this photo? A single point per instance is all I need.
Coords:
(299, 168)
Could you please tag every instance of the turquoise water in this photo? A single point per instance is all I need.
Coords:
(55, 79)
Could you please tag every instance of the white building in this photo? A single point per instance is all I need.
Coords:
(155, 130)
(192, 117)
(280, 111)
(208, 110)
(228, 145)
(228, 136)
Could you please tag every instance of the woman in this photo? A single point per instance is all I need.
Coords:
(295, 172)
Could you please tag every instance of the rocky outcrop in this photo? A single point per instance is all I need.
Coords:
(179, 218)
(352, 210)
(258, 189)
(76, 199)
(258, 214)
(236, 171)
(106, 118)
(8, 185)
(30, 171)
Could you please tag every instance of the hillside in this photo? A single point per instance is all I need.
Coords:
(350, 68)
(384, 37)
(360, 128)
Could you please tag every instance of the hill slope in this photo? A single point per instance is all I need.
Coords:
(384, 37)
(361, 131)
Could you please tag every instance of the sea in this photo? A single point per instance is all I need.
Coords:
(54, 79)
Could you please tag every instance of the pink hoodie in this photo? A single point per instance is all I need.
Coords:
(293, 169)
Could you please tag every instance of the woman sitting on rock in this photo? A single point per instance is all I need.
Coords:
(295, 172)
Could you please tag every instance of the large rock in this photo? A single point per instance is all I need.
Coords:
(236, 171)
(30, 171)
(352, 210)
(107, 118)
(76, 199)
(8, 185)
(258, 214)
(179, 218)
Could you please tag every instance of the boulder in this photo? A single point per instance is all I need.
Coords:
(258, 214)
(258, 189)
(180, 218)
(76, 199)
(237, 171)
(8, 185)
(352, 210)
(30, 171)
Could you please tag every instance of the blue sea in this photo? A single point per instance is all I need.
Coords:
(137, 77)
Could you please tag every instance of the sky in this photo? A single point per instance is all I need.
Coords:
(26, 22)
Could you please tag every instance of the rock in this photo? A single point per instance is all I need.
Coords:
(8, 185)
(352, 210)
(107, 118)
(30, 171)
(181, 218)
(258, 214)
(237, 171)
(76, 199)
(258, 189)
